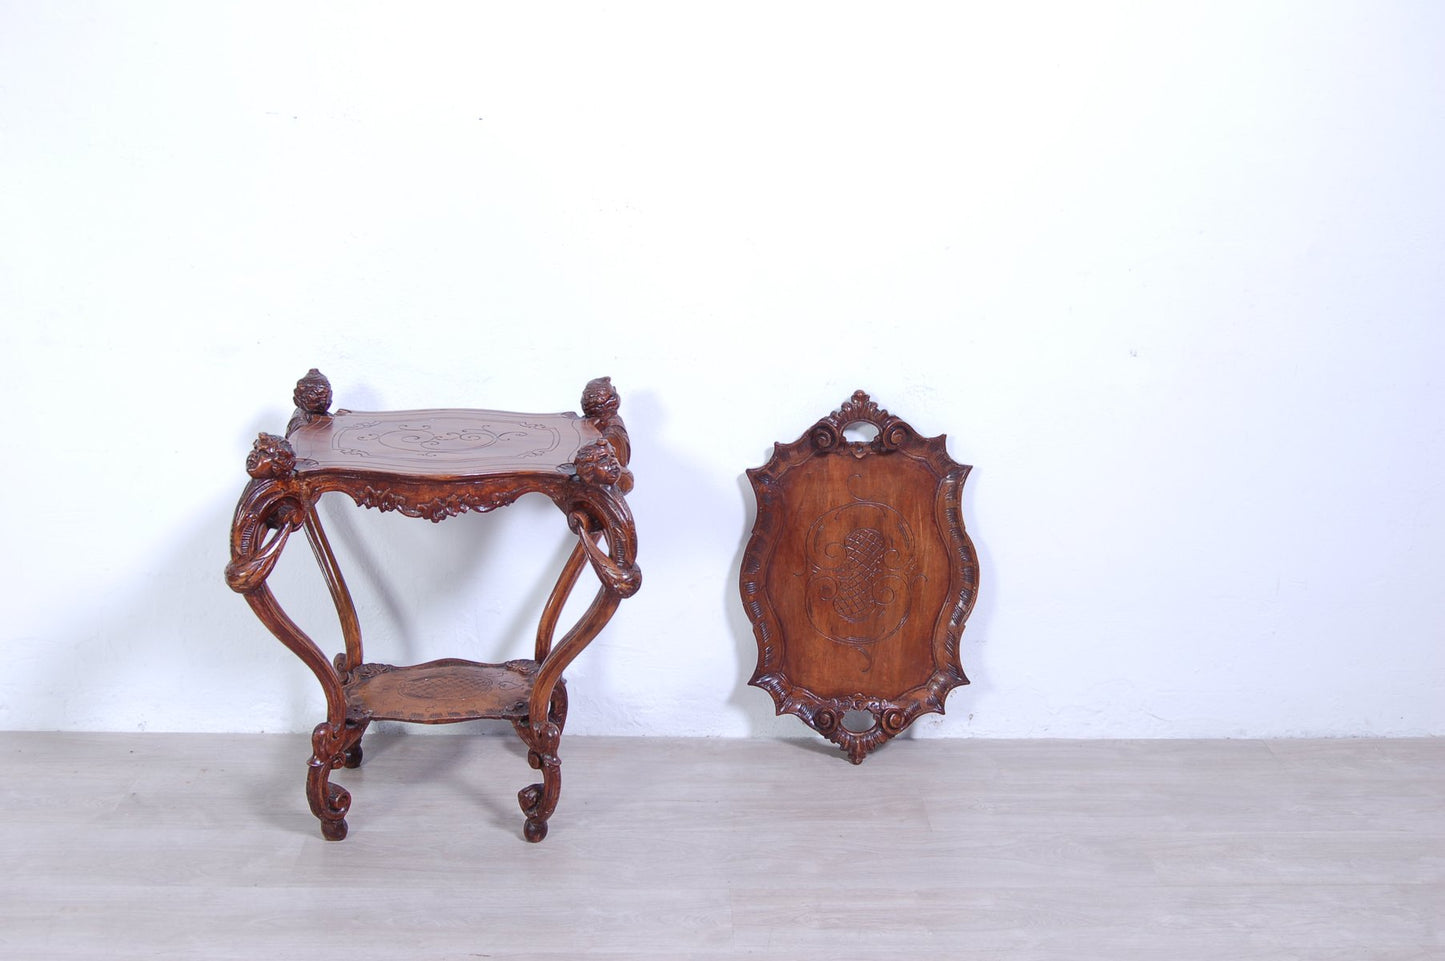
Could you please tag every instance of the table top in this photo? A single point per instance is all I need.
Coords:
(441, 442)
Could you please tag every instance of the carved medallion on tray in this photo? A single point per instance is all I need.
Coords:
(859, 576)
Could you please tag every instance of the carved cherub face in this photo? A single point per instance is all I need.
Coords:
(270, 456)
(596, 464)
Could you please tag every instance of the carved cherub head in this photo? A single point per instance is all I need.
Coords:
(596, 464)
(313, 393)
(270, 456)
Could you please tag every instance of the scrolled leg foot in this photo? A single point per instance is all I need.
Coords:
(331, 812)
(538, 801)
(329, 802)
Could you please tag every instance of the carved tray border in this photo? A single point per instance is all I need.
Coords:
(892, 711)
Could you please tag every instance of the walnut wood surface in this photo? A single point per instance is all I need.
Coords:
(442, 691)
(442, 444)
(435, 464)
(859, 576)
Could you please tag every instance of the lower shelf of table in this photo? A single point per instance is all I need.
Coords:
(442, 692)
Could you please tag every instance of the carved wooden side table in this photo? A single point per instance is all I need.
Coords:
(436, 464)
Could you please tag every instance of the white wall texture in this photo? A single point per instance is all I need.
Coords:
(1170, 276)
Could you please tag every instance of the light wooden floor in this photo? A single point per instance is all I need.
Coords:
(187, 846)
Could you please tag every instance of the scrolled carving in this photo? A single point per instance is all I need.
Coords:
(538, 801)
(621, 575)
(365, 671)
(328, 742)
(439, 506)
(266, 515)
(252, 562)
(892, 432)
(896, 435)
(888, 721)
(329, 802)
(825, 436)
(827, 716)
(439, 509)
(381, 499)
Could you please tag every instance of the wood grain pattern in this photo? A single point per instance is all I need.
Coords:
(720, 849)
(446, 443)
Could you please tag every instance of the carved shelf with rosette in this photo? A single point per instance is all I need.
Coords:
(435, 464)
(859, 576)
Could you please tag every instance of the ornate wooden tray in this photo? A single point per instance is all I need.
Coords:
(859, 576)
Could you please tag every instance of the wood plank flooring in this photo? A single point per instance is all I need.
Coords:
(165, 846)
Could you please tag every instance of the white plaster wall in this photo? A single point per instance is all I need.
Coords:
(1169, 275)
